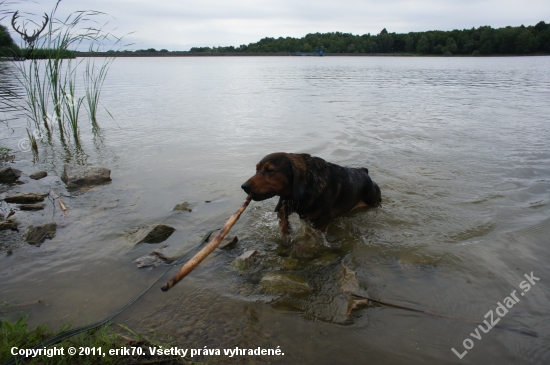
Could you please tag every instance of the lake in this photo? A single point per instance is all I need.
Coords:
(458, 146)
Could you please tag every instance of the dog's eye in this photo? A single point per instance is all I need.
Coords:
(269, 171)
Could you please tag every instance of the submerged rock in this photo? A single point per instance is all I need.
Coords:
(287, 263)
(415, 259)
(244, 261)
(184, 207)
(155, 233)
(283, 283)
(355, 304)
(25, 198)
(282, 263)
(326, 260)
(9, 224)
(307, 243)
(155, 258)
(9, 175)
(36, 206)
(37, 234)
(348, 279)
(76, 176)
(38, 175)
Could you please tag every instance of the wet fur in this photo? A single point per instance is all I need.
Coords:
(317, 190)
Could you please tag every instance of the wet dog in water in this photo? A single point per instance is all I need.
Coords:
(319, 191)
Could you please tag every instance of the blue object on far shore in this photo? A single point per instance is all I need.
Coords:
(318, 52)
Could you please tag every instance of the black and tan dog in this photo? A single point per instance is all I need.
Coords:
(317, 190)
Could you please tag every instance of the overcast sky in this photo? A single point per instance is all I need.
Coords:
(179, 25)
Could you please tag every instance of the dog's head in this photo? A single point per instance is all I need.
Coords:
(282, 174)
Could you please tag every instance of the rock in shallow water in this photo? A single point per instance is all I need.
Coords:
(348, 278)
(75, 176)
(244, 261)
(287, 263)
(326, 260)
(282, 283)
(184, 207)
(227, 242)
(9, 224)
(38, 175)
(155, 233)
(9, 175)
(36, 206)
(25, 198)
(37, 234)
(308, 243)
(156, 257)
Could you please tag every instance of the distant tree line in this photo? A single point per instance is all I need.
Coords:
(481, 41)
(7, 45)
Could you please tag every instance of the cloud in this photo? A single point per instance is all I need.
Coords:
(180, 25)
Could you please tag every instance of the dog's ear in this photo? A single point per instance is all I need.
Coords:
(299, 173)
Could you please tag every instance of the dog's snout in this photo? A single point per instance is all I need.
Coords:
(246, 187)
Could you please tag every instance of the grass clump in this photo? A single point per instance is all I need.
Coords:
(16, 334)
(5, 154)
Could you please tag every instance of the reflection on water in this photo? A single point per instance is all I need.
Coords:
(9, 92)
(457, 145)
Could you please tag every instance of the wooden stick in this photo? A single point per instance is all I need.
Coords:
(56, 197)
(523, 332)
(201, 255)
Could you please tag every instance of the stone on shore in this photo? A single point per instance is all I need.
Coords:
(155, 233)
(38, 175)
(37, 234)
(9, 175)
(25, 198)
(282, 283)
(36, 206)
(75, 176)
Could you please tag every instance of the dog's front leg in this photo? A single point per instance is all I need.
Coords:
(282, 215)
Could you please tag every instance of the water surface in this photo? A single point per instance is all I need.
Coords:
(459, 147)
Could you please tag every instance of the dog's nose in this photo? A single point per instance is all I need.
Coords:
(246, 187)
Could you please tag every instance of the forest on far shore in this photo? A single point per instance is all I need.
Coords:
(481, 41)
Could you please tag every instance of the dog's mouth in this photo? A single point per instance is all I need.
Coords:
(260, 197)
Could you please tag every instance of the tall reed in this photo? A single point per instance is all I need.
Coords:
(52, 99)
